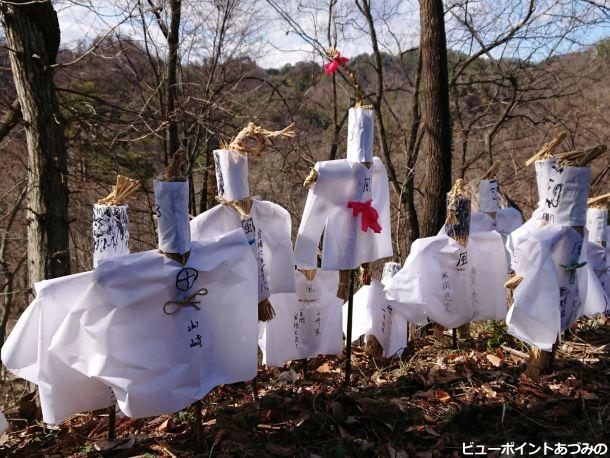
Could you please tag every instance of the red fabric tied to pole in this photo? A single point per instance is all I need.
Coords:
(334, 64)
(369, 215)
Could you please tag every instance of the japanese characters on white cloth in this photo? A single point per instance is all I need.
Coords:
(162, 334)
(558, 286)
(543, 169)
(172, 216)
(268, 232)
(567, 194)
(110, 232)
(306, 324)
(375, 314)
(597, 229)
(3, 423)
(63, 391)
(231, 174)
(360, 134)
(350, 204)
(453, 285)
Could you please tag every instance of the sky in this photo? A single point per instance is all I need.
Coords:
(274, 42)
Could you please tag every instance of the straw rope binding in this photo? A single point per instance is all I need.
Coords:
(260, 135)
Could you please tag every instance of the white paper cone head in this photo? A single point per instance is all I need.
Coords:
(597, 224)
(172, 212)
(389, 270)
(231, 174)
(488, 196)
(360, 134)
(110, 232)
(566, 196)
(543, 172)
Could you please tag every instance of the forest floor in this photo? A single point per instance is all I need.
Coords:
(426, 404)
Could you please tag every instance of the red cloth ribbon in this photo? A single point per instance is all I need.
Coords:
(369, 215)
(334, 64)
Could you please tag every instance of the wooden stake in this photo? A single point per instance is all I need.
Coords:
(111, 423)
(348, 344)
(198, 425)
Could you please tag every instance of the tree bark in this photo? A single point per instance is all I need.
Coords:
(32, 36)
(434, 116)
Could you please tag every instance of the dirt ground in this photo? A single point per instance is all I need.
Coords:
(433, 401)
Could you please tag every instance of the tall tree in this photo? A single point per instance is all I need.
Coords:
(32, 37)
(435, 123)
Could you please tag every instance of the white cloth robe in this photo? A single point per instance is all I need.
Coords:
(345, 245)
(546, 302)
(452, 284)
(63, 391)
(155, 363)
(275, 227)
(597, 230)
(506, 221)
(374, 314)
(3, 423)
(306, 324)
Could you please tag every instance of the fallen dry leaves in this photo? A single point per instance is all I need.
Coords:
(425, 404)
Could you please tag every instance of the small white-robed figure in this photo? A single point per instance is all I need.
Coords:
(162, 328)
(379, 319)
(266, 225)
(348, 201)
(556, 283)
(307, 323)
(456, 277)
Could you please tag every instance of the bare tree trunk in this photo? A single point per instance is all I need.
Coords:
(434, 115)
(408, 191)
(32, 36)
(173, 37)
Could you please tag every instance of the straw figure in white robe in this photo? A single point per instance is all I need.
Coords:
(490, 210)
(267, 225)
(555, 282)
(64, 391)
(379, 319)
(543, 162)
(163, 330)
(454, 279)
(307, 323)
(348, 202)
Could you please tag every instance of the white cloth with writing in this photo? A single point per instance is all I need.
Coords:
(131, 332)
(452, 284)
(110, 232)
(346, 245)
(555, 291)
(374, 314)
(306, 324)
(269, 237)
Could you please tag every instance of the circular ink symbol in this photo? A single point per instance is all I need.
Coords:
(186, 278)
